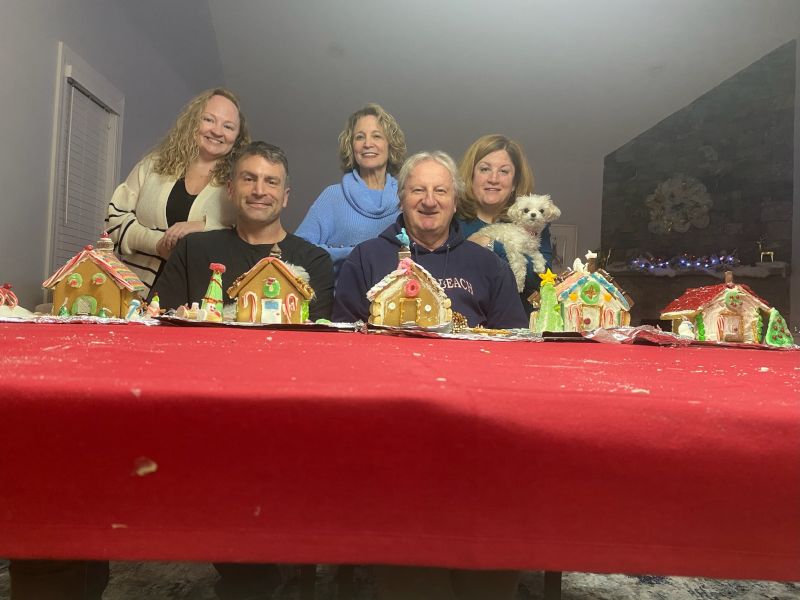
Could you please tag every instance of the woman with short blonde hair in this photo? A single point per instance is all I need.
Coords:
(372, 148)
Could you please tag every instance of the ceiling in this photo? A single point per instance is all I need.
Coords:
(571, 79)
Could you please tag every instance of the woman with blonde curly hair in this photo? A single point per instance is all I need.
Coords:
(179, 187)
(496, 172)
(372, 148)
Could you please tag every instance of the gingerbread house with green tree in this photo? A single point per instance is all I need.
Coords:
(728, 312)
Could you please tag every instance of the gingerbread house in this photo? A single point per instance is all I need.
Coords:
(589, 298)
(271, 292)
(94, 282)
(726, 312)
(409, 296)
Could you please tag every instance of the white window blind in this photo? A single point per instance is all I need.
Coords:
(81, 197)
(87, 135)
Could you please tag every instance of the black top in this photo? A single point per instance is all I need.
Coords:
(179, 203)
(185, 276)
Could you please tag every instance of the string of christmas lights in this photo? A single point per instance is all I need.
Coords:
(686, 262)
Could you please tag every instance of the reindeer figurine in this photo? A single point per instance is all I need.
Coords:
(762, 245)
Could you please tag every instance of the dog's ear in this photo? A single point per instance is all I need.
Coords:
(513, 212)
(552, 212)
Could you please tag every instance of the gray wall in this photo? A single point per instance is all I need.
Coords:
(157, 72)
(794, 293)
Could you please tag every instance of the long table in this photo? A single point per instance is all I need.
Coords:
(168, 443)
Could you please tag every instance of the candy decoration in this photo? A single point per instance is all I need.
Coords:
(778, 333)
(250, 300)
(291, 306)
(304, 312)
(272, 287)
(214, 292)
(212, 314)
(411, 288)
(720, 328)
(700, 327)
(8, 297)
(154, 308)
(133, 310)
(590, 292)
(75, 280)
(733, 299)
(403, 238)
(99, 278)
(686, 329)
(104, 313)
(63, 311)
(405, 266)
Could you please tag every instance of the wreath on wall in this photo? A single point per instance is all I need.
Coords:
(678, 204)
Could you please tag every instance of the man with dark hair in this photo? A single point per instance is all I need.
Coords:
(259, 190)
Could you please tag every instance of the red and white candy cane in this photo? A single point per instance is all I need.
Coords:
(290, 306)
(7, 296)
(250, 300)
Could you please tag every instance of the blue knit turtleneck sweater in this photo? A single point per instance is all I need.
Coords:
(347, 213)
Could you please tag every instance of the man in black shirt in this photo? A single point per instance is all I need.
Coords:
(259, 189)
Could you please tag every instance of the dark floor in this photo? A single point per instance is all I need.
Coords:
(195, 581)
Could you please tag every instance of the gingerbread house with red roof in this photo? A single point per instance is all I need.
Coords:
(94, 282)
(409, 296)
(271, 292)
(726, 312)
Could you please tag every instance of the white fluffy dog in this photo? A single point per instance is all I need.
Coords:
(521, 237)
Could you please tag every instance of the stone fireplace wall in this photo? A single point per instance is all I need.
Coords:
(715, 175)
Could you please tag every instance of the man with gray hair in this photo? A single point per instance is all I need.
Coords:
(479, 284)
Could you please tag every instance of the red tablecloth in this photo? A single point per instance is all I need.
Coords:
(134, 442)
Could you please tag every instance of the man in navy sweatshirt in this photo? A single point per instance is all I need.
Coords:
(479, 284)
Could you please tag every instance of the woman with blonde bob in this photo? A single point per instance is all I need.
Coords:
(496, 172)
(372, 148)
(179, 187)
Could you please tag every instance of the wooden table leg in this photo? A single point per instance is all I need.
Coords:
(308, 580)
(345, 585)
(552, 585)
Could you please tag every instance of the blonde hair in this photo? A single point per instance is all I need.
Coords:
(178, 149)
(523, 177)
(394, 136)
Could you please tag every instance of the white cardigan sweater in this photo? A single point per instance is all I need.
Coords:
(137, 216)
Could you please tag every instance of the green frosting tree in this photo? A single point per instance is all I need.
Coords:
(700, 327)
(549, 317)
(214, 291)
(778, 333)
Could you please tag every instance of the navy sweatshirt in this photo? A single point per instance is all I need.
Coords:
(479, 284)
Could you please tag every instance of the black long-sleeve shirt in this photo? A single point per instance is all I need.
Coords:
(185, 276)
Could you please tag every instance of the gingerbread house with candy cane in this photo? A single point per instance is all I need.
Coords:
(409, 296)
(271, 292)
(590, 299)
(94, 282)
(726, 312)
